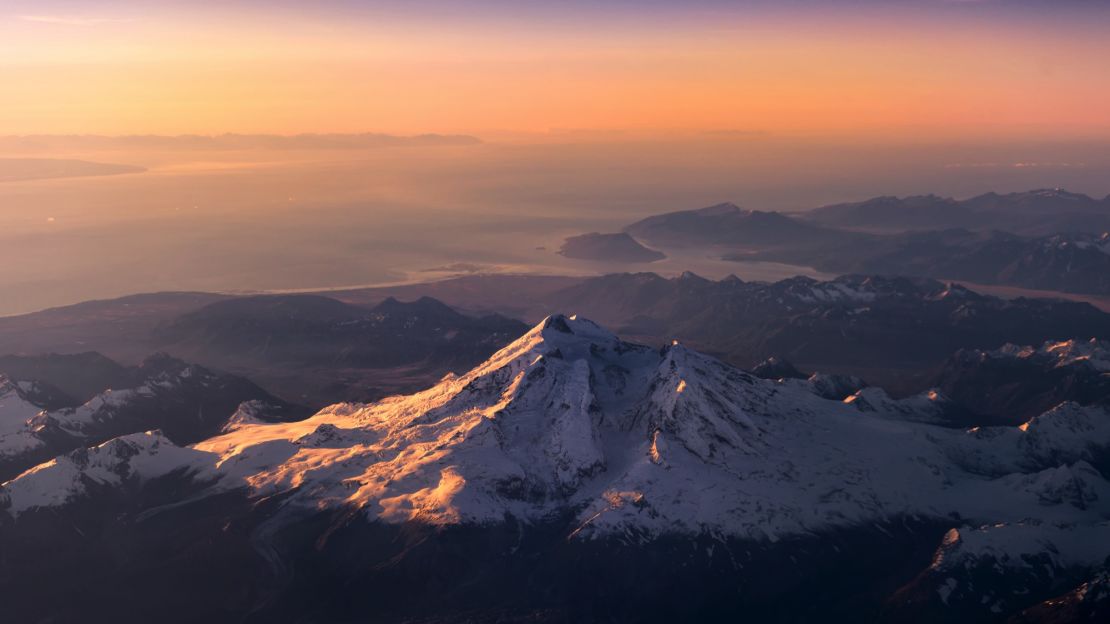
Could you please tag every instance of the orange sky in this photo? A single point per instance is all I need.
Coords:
(181, 70)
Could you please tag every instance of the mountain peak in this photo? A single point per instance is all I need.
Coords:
(560, 330)
(719, 209)
(558, 322)
(1058, 192)
(557, 336)
(161, 362)
(691, 277)
(423, 305)
(626, 440)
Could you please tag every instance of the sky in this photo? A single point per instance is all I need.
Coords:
(865, 69)
(594, 113)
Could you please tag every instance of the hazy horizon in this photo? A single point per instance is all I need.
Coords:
(856, 69)
(590, 115)
(263, 220)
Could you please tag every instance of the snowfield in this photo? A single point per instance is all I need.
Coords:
(641, 442)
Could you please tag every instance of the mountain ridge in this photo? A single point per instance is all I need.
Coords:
(1037, 212)
(668, 399)
(189, 402)
(594, 442)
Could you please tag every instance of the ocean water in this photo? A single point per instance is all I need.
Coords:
(297, 220)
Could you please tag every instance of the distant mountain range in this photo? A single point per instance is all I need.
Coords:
(50, 142)
(21, 169)
(618, 247)
(308, 329)
(892, 332)
(574, 476)
(314, 347)
(1039, 212)
(1072, 263)
(1043, 240)
(74, 377)
(187, 402)
(307, 349)
(730, 225)
(1011, 384)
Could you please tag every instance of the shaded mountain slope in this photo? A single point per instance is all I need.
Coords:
(893, 332)
(571, 450)
(608, 248)
(1011, 384)
(728, 224)
(187, 402)
(1038, 212)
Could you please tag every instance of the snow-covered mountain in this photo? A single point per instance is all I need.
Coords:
(17, 411)
(1093, 353)
(894, 332)
(605, 440)
(186, 401)
(1013, 383)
